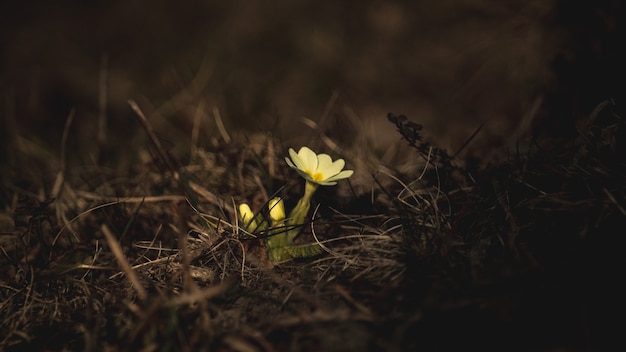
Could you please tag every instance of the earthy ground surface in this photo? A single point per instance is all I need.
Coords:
(118, 233)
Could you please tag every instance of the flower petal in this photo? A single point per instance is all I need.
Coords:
(295, 163)
(324, 161)
(304, 175)
(290, 163)
(335, 168)
(343, 174)
(308, 159)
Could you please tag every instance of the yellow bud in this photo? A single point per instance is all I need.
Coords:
(277, 210)
(247, 216)
(245, 213)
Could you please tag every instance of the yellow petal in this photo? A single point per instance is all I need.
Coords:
(308, 159)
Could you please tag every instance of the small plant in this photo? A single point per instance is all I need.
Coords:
(317, 170)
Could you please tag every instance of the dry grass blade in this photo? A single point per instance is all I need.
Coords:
(153, 138)
(123, 262)
(58, 183)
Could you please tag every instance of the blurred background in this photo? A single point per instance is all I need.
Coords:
(517, 66)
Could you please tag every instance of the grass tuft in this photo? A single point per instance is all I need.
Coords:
(412, 256)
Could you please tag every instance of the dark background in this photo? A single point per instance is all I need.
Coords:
(448, 65)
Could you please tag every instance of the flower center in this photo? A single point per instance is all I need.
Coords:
(316, 176)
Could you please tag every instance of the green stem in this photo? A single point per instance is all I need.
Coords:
(300, 211)
(280, 244)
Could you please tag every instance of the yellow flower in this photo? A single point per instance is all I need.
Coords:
(317, 168)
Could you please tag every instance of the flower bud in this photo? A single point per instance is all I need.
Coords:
(277, 210)
(247, 217)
